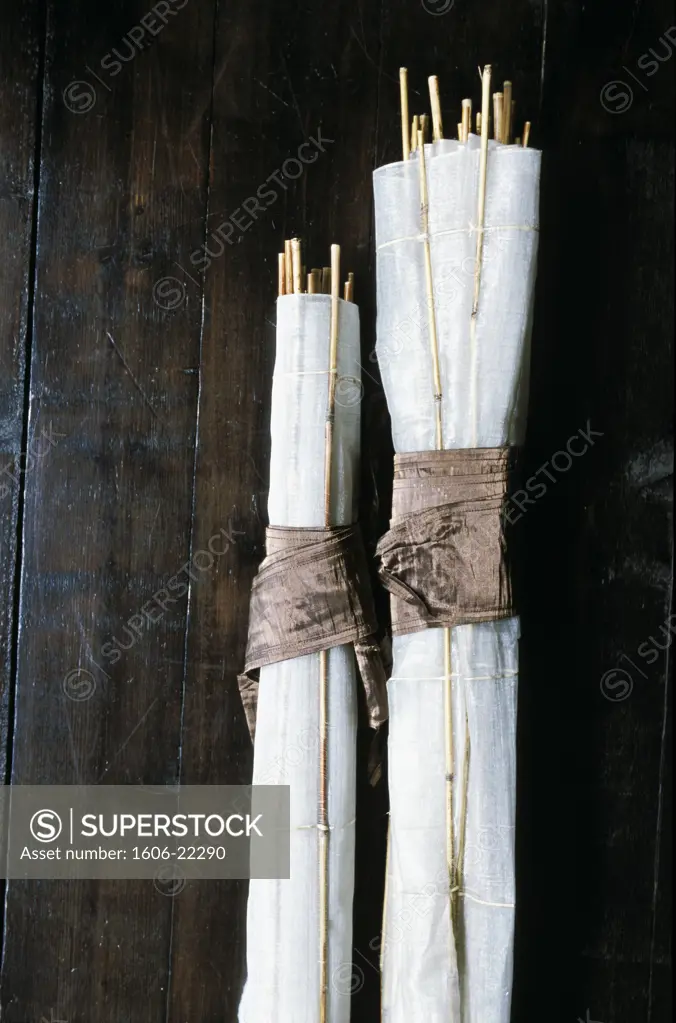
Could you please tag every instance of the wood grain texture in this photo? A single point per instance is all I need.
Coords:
(107, 510)
(160, 219)
(20, 55)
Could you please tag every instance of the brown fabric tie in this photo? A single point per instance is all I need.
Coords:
(444, 558)
(312, 592)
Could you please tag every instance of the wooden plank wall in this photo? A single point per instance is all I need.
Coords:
(136, 369)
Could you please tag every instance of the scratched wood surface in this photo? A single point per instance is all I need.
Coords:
(140, 301)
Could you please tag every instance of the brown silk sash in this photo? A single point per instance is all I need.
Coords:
(443, 559)
(313, 592)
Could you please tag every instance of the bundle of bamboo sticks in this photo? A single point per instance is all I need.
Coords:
(294, 279)
(502, 122)
(495, 120)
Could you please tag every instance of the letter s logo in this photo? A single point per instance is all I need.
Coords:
(46, 826)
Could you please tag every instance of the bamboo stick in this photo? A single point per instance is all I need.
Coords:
(498, 110)
(424, 122)
(449, 754)
(448, 691)
(481, 217)
(526, 134)
(288, 267)
(478, 122)
(435, 103)
(296, 265)
(481, 199)
(429, 283)
(507, 113)
(460, 131)
(403, 90)
(281, 275)
(323, 835)
(466, 119)
(312, 283)
(323, 825)
(349, 288)
(335, 308)
(460, 867)
(414, 133)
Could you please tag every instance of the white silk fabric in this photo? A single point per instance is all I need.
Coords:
(283, 926)
(433, 971)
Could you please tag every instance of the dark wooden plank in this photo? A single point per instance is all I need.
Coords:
(598, 548)
(20, 56)
(108, 509)
(109, 512)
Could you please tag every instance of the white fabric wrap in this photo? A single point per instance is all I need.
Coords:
(283, 927)
(429, 974)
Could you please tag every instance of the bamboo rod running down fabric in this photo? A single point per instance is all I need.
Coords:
(333, 373)
(460, 861)
(323, 835)
(481, 219)
(429, 283)
(481, 201)
(448, 685)
(323, 824)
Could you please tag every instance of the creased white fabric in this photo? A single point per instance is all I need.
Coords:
(283, 916)
(430, 974)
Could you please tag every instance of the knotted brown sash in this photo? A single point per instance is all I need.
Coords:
(444, 559)
(312, 592)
